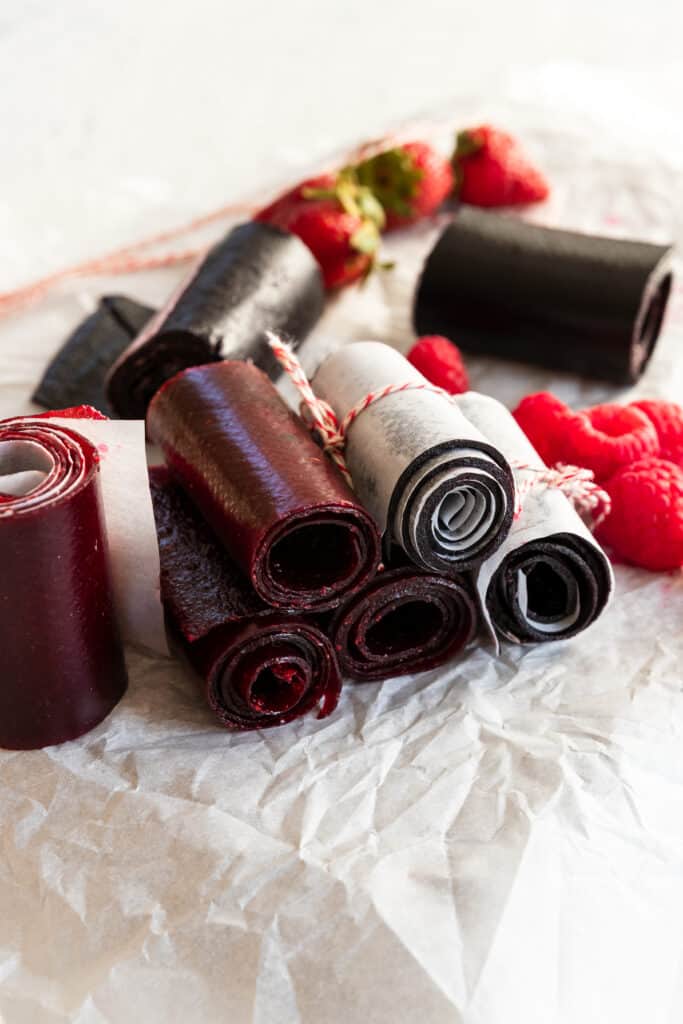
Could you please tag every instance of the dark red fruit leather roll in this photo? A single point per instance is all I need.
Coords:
(402, 621)
(62, 659)
(500, 286)
(271, 496)
(258, 667)
(256, 278)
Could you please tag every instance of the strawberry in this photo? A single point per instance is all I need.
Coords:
(280, 209)
(338, 219)
(491, 170)
(411, 181)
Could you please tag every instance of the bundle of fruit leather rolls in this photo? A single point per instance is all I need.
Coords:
(501, 286)
(63, 667)
(258, 666)
(258, 277)
(403, 621)
(550, 579)
(434, 483)
(77, 373)
(270, 495)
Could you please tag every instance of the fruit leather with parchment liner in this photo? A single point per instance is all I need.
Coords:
(403, 621)
(436, 486)
(258, 666)
(77, 373)
(257, 278)
(62, 657)
(272, 497)
(501, 286)
(550, 579)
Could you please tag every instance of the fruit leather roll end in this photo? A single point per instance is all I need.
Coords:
(550, 579)
(257, 278)
(258, 667)
(63, 668)
(271, 496)
(500, 286)
(76, 375)
(403, 621)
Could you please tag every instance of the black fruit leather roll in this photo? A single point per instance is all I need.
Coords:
(257, 278)
(257, 666)
(77, 374)
(499, 286)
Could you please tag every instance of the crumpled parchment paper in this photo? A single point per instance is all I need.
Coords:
(497, 842)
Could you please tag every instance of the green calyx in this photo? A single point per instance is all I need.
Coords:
(393, 177)
(466, 144)
(359, 201)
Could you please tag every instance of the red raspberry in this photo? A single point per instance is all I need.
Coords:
(439, 360)
(667, 419)
(607, 437)
(74, 412)
(544, 418)
(645, 526)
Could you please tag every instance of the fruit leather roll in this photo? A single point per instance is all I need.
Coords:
(500, 286)
(271, 496)
(550, 579)
(77, 374)
(439, 490)
(62, 658)
(258, 277)
(403, 621)
(259, 667)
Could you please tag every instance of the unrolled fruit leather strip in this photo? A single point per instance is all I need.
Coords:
(550, 579)
(77, 373)
(271, 496)
(256, 278)
(257, 666)
(403, 621)
(501, 286)
(62, 657)
(437, 487)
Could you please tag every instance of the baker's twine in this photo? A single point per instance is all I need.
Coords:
(578, 484)
(132, 258)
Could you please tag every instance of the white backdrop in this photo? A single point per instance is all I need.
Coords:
(500, 842)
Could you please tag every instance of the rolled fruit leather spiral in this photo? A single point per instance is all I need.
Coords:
(403, 621)
(257, 666)
(271, 496)
(550, 579)
(501, 286)
(438, 488)
(63, 668)
(257, 278)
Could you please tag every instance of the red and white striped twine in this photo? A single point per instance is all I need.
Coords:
(576, 483)
(321, 417)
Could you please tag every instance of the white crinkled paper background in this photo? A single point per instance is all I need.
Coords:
(497, 842)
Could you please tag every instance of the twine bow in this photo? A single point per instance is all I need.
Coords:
(576, 483)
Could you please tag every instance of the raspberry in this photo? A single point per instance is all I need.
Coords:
(544, 418)
(439, 360)
(645, 526)
(609, 436)
(74, 412)
(667, 419)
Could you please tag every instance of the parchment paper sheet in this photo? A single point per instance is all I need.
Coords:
(499, 842)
